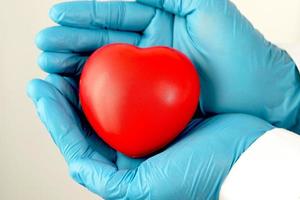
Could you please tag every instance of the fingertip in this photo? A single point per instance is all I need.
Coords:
(51, 62)
(56, 13)
(42, 61)
(41, 39)
(52, 39)
(38, 39)
(61, 63)
(37, 89)
(32, 89)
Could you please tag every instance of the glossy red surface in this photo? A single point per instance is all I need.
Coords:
(138, 100)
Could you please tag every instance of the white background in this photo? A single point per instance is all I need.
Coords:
(31, 167)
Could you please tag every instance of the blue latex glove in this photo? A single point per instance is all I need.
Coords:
(240, 71)
(192, 167)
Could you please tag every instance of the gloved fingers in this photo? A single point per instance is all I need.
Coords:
(129, 16)
(102, 179)
(67, 39)
(177, 7)
(64, 87)
(64, 124)
(62, 63)
(71, 94)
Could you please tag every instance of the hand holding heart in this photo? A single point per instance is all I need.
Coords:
(240, 72)
(138, 100)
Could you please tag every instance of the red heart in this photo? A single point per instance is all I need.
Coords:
(138, 100)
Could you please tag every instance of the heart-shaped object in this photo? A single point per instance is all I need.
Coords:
(138, 100)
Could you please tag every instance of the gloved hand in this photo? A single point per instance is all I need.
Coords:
(192, 167)
(240, 71)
